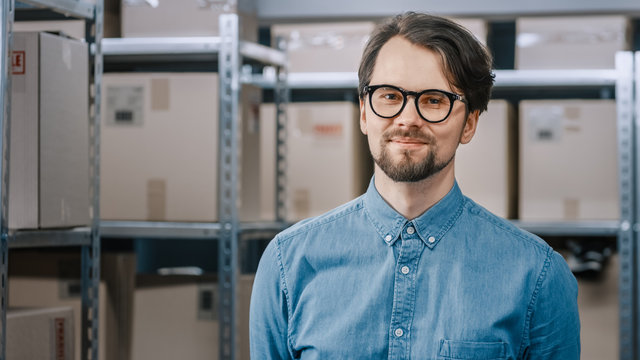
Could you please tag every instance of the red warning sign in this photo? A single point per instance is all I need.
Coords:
(17, 63)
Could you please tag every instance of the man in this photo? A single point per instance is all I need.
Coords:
(412, 269)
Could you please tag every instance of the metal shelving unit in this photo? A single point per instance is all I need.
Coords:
(88, 238)
(229, 53)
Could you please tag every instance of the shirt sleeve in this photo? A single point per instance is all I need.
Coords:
(554, 331)
(268, 317)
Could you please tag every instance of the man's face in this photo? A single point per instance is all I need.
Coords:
(406, 147)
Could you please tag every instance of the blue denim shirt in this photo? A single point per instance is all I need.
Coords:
(363, 282)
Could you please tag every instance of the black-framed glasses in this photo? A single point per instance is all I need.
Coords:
(433, 105)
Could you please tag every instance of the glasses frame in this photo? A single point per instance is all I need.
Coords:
(370, 89)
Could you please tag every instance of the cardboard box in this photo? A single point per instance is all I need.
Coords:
(41, 279)
(159, 141)
(486, 167)
(576, 42)
(325, 47)
(183, 18)
(49, 164)
(177, 318)
(328, 159)
(568, 160)
(35, 334)
(478, 27)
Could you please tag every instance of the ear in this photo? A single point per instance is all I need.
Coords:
(470, 127)
(363, 118)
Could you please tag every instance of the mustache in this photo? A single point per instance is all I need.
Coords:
(408, 133)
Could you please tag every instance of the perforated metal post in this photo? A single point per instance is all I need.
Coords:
(229, 77)
(281, 100)
(91, 253)
(6, 22)
(628, 200)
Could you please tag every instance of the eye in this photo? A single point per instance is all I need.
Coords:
(388, 95)
(434, 100)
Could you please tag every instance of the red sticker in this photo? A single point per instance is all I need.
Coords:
(17, 63)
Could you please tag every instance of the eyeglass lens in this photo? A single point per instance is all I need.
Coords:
(432, 105)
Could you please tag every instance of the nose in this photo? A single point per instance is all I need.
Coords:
(409, 116)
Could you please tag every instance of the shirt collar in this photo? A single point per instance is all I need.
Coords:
(431, 226)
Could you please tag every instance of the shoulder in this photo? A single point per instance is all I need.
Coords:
(492, 226)
(320, 223)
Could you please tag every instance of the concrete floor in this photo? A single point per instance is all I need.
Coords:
(598, 304)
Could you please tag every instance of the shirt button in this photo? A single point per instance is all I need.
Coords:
(399, 332)
(410, 230)
(405, 270)
(387, 238)
(431, 239)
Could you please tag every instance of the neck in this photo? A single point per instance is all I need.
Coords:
(412, 199)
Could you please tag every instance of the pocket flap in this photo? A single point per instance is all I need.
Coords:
(472, 350)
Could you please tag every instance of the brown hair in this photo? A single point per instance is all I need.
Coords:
(467, 63)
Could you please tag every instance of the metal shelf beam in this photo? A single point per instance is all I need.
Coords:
(184, 48)
(50, 238)
(71, 8)
(570, 228)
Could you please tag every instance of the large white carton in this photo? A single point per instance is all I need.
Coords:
(35, 334)
(49, 155)
(178, 318)
(159, 158)
(486, 167)
(169, 18)
(575, 42)
(328, 160)
(568, 160)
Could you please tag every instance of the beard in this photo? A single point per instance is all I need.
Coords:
(407, 169)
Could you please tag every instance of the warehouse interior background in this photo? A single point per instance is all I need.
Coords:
(555, 153)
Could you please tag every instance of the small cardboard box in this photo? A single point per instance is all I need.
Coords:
(176, 18)
(575, 42)
(486, 167)
(49, 155)
(328, 159)
(159, 141)
(568, 160)
(35, 334)
(177, 317)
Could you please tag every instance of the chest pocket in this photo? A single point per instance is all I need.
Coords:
(470, 350)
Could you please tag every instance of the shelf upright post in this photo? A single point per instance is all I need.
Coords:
(627, 235)
(6, 21)
(91, 253)
(636, 183)
(281, 101)
(229, 77)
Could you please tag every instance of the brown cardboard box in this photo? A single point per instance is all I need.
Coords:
(486, 167)
(183, 18)
(40, 279)
(568, 160)
(36, 334)
(177, 317)
(575, 42)
(159, 141)
(49, 165)
(328, 160)
(324, 47)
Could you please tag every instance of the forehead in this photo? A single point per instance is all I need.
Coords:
(409, 66)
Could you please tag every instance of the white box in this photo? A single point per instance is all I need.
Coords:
(328, 159)
(576, 42)
(175, 18)
(49, 160)
(486, 167)
(568, 160)
(159, 140)
(324, 47)
(177, 318)
(36, 334)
